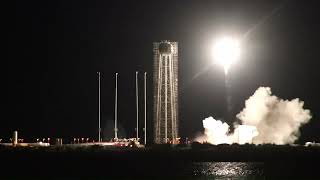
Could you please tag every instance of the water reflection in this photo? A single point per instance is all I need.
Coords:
(229, 170)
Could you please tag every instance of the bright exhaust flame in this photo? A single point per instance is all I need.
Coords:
(226, 51)
(265, 119)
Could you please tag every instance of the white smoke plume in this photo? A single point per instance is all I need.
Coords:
(277, 120)
(217, 132)
(265, 119)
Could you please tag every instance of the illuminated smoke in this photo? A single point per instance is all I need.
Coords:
(218, 132)
(265, 119)
(277, 120)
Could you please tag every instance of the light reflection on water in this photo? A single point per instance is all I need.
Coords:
(229, 170)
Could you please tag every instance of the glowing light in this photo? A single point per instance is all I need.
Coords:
(226, 51)
(246, 133)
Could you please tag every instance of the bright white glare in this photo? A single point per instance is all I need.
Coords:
(226, 51)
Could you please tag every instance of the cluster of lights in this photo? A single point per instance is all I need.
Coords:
(43, 140)
(80, 140)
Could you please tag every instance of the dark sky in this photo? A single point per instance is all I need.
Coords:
(55, 49)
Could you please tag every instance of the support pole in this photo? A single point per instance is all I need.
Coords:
(99, 113)
(137, 105)
(166, 99)
(116, 110)
(145, 108)
(171, 100)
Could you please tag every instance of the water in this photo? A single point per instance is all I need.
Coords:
(176, 171)
(228, 170)
(98, 165)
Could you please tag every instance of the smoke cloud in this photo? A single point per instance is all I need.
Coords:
(265, 119)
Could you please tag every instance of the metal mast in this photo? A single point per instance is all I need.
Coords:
(171, 100)
(99, 111)
(116, 110)
(137, 105)
(145, 108)
(166, 99)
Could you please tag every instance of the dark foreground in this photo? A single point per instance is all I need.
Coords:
(161, 162)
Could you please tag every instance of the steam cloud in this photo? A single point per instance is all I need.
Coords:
(265, 119)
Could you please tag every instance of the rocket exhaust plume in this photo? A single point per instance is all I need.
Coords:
(277, 120)
(218, 132)
(265, 119)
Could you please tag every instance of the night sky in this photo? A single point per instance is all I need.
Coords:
(55, 49)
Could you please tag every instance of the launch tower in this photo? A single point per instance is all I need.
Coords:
(165, 78)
